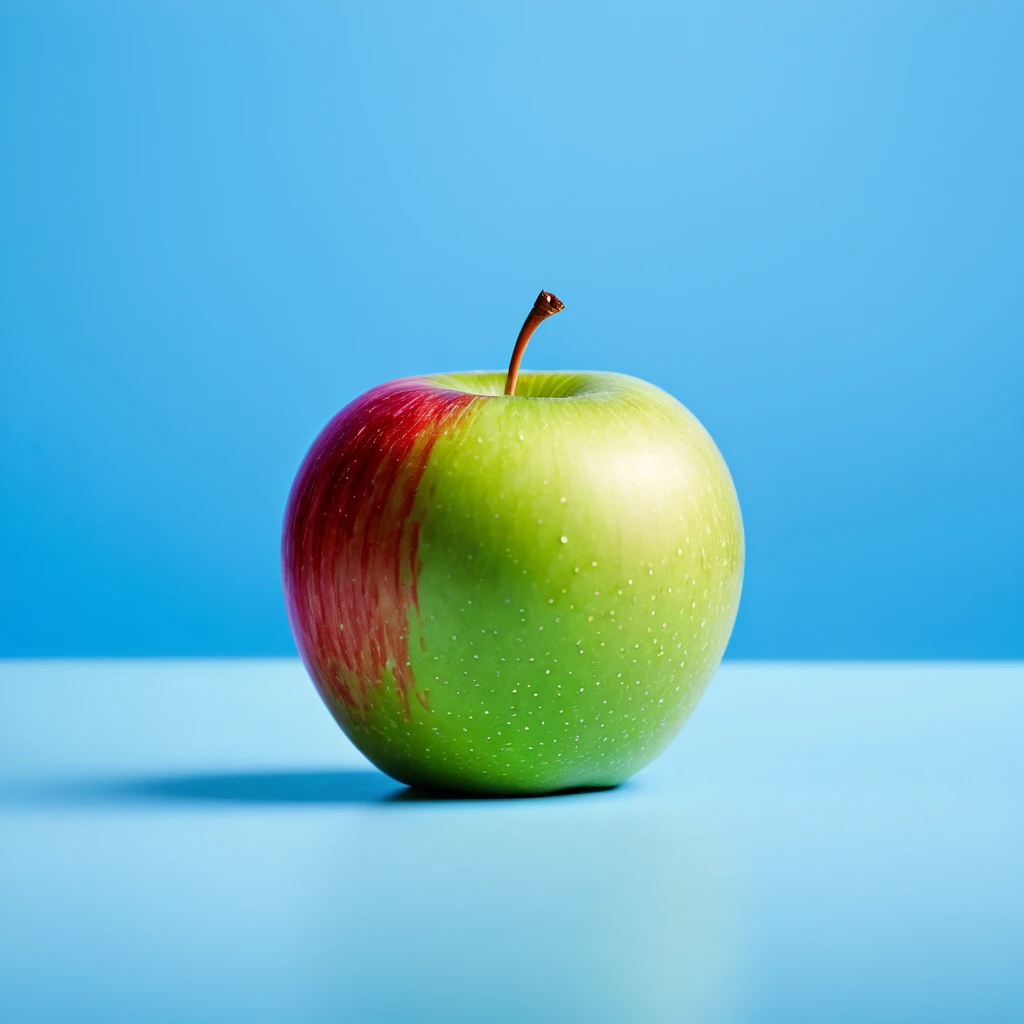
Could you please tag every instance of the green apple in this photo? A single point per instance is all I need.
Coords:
(513, 593)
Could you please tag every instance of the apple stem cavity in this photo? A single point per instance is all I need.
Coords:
(545, 306)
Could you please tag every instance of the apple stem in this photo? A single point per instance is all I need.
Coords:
(545, 306)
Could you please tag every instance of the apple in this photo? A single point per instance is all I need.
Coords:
(512, 584)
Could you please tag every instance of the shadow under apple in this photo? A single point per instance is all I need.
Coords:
(254, 787)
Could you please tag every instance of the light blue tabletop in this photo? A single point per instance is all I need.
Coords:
(196, 841)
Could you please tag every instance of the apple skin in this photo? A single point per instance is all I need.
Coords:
(512, 595)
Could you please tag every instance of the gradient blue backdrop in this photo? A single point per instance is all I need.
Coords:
(219, 222)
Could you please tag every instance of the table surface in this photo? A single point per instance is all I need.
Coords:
(197, 841)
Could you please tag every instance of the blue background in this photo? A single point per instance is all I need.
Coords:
(221, 222)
